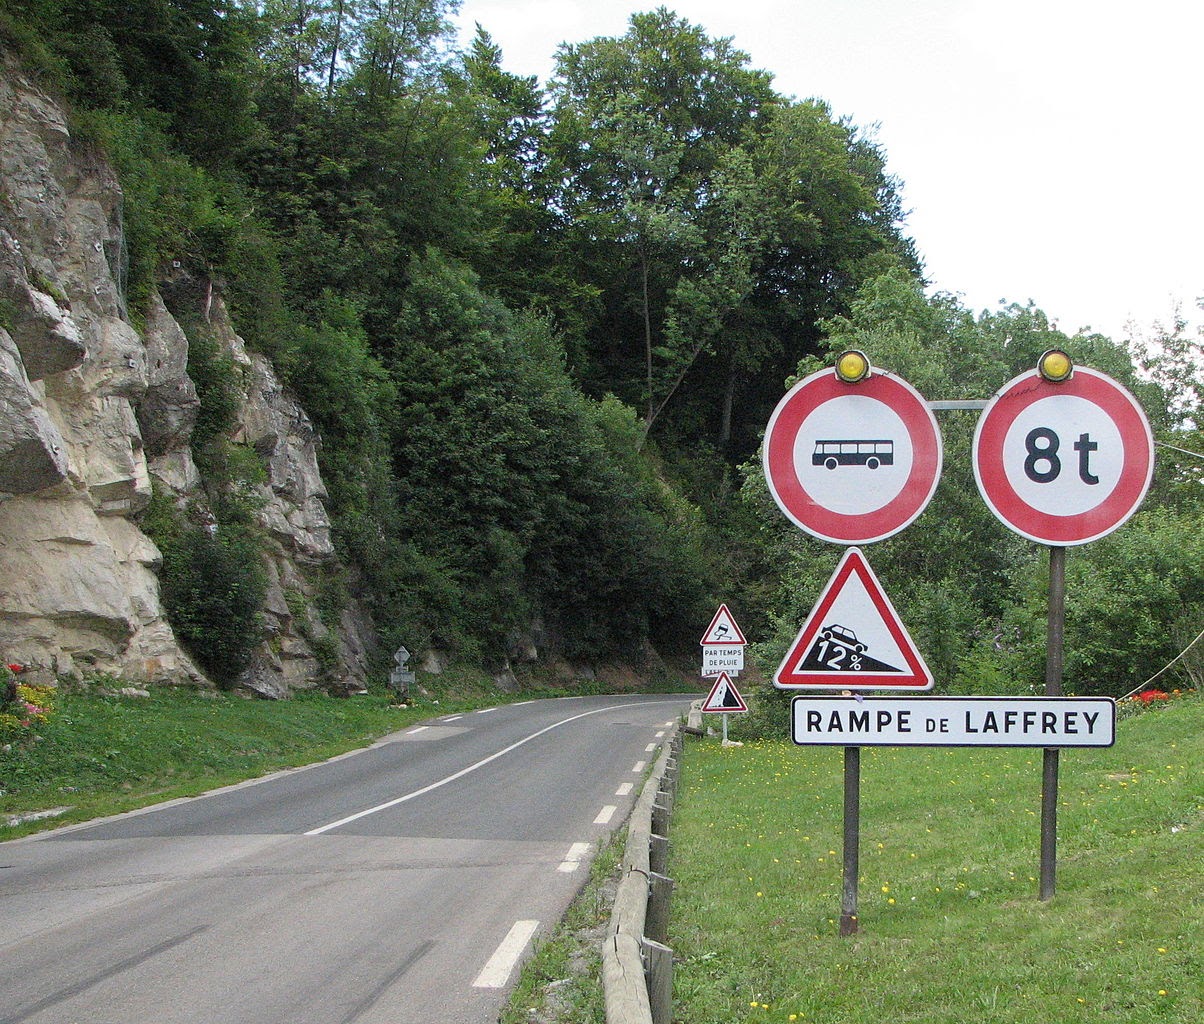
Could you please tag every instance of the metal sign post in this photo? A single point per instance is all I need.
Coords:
(1053, 688)
(852, 840)
(1063, 455)
(852, 455)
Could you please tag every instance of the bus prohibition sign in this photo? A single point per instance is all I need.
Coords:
(1063, 463)
(852, 463)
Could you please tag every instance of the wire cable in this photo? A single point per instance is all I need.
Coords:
(1165, 667)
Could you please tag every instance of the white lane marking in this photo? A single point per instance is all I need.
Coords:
(669, 724)
(418, 728)
(496, 971)
(660, 735)
(453, 718)
(605, 815)
(625, 788)
(639, 766)
(650, 748)
(522, 703)
(485, 711)
(572, 859)
(472, 768)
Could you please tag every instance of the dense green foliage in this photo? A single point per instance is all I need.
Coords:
(212, 585)
(973, 594)
(540, 330)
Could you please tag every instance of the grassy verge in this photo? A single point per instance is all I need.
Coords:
(562, 982)
(951, 926)
(101, 753)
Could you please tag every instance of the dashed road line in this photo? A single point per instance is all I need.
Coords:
(572, 859)
(467, 770)
(605, 815)
(496, 971)
(625, 789)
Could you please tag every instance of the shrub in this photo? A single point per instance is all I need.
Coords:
(22, 707)
(212, 584)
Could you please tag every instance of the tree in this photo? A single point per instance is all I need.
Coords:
(720, 222)
(516, 246)
(640, 125)
(393, 45)
(188, 60)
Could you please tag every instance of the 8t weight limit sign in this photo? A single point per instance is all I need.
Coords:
(1063, 463)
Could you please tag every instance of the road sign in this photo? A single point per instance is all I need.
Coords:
(853, 639)
(852, 463)
(724, 697)
(723, 631)
(722, 659)
(1063, 463)
(954, 721)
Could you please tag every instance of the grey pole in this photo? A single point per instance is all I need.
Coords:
(1053, 688)
(852, 839)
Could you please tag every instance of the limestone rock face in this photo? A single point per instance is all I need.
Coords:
(167, 411)
(91, 412)
(32, 455)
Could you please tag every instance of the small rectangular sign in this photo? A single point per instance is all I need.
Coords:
(954, 721)
(722, 659)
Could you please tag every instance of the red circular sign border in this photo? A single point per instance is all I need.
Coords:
(1043, 527)
(824, 523)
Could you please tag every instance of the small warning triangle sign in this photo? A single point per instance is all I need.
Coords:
(853, 639)
(724, 696)
(723, 630)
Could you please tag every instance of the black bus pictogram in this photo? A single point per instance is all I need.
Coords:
(868, 453)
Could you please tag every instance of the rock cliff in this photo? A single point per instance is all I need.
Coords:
(94, 415)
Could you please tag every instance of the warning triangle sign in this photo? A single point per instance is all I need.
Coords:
(724, 696)
(853, 639)
(723, 630)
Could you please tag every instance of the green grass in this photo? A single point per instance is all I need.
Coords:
(101, 754)
(562, 981)
(951, 927)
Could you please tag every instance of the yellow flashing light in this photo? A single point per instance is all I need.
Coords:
(852, 366)
(1055, 366)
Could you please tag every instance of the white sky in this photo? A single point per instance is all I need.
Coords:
(1050, 150)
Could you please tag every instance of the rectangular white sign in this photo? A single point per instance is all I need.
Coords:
(722, 659)
(954, 721)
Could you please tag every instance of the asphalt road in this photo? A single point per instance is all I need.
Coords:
(397, 885)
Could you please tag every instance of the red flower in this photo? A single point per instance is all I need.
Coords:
(1148, 695)
(16, 668)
